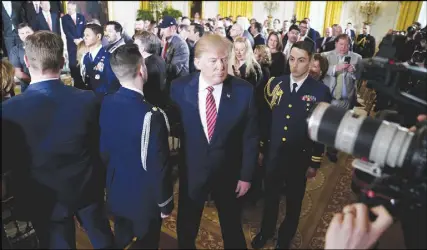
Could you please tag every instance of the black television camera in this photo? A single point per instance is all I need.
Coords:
(391, 164)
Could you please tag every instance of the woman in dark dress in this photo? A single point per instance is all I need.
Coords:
(243, 63)
(274, 43)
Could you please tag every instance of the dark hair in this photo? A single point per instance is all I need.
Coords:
(349, 23)
(185, 17)
(304, 45)
(307, 19)
(323, 63)
(294, 27)
(117, 26)
(139, 19)
(184, 27)
(343, 36)
(228, 19)
(279, 46)
(198, 28)
(97, 29)
(276, 20)
(303, 21)
(23, 25)
(258, 27)
(125, 61)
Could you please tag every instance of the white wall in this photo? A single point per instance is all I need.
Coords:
(422, 18)
(210, 9)
(285, 11)
(386, 18)
(125, 12)
(182, 6)
(317, 15)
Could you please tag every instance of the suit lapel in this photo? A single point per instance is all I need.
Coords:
(191, 93)
(225, 109)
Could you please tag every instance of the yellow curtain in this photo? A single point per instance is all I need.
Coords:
(64, 5)
(408, 13)
(332, 13)
(302, 9)
(144, 5)
(235, 8)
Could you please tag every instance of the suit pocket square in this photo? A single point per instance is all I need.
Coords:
(81, 23)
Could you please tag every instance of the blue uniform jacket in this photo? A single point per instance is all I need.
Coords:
(135, 191)
(285, 129)
(232, 153)
(62, 170)
(73, 31)
(98, 75)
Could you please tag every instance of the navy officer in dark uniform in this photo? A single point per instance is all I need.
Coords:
(291, 156)
(134, 146)
(96, 70)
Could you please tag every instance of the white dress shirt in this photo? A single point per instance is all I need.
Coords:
(44, 80)
(203, 92)
(287, 50)
(74, 18)
(299, 83)
(36, 6)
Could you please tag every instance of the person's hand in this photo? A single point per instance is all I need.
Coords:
(311, 173)
(341, 66)
(242, 188)
(350, 68)
(420, 118)
(352, 228)
(76, 41)
(162, 215)
(260, 159)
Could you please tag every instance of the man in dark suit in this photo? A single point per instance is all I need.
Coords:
(73, 25)
(365, 43)
(12, 15)
(175, 51)
(292, 157)
(196, 32)
(256, 30)
(63, 176)
(46, 19)
(312, 33)
(139, 135)
(321, 42)
(303, 26)
(219, 147)
(32, 9)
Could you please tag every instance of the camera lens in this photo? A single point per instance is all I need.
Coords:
(383, 142)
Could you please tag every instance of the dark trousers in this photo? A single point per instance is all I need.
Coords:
(229, 213)
(414, 229)
(58, 232)
(10, 41)
(77, 78)
(292, 171)
(124, 233)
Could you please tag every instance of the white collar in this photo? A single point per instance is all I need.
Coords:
(203, 85)
(95, 51)
(134, 89)
(44, 80)
(300, 82)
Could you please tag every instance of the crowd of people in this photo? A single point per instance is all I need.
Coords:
(235, 92)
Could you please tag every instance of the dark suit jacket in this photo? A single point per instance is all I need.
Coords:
(248, 35)
(232, 153)
(177, 59)
(73, 31)
(365, 46)
(120, 145)
(30, 12)
(18, 16)
(313, 34)
(259, 40)
(62, 171)
(319, 42)
(40, 23)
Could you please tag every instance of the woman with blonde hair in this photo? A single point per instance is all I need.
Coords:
(7, 80)
(242, 62)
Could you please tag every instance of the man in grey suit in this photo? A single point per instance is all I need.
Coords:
(175, 50)
(345, 68)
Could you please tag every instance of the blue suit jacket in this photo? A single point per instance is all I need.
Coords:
(313, 34)
(232, 153)
(61, 134)
(40, 23)
(73, 31)
(134, 192)
(286, 131)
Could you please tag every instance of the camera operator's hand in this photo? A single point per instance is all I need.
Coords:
(341, 66)
(420, 118)
(351, 68)
(352, 228)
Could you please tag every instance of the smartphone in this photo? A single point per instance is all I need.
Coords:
(347, 59)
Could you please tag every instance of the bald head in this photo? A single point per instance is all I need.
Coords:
(236, 30)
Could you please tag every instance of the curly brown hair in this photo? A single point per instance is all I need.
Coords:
(7, 77)
(265, 54)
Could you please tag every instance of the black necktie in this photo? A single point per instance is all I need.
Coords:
(294, 90)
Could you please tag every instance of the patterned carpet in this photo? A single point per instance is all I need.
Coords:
(328, 193)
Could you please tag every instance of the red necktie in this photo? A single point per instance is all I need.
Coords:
(210, 112)
(165, 50)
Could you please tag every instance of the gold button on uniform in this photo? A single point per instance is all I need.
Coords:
(283, 139)
(290, 105)
(286, 127)
(307, 109)
(308, 104)
(288, 116)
